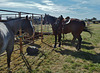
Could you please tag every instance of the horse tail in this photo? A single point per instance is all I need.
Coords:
(89, 30)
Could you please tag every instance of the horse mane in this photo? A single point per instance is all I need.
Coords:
(50, 19)
(53, 17)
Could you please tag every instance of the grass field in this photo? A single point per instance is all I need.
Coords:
(60, 60)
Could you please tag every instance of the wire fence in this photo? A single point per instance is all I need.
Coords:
(40, 29)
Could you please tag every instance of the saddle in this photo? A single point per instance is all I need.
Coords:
(66, 21)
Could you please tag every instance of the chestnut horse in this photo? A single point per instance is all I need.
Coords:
(74, 26)
(61, 25)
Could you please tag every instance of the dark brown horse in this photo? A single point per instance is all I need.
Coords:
(74, 26)
(61, 25)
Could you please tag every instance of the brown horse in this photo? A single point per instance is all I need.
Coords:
(67, 25)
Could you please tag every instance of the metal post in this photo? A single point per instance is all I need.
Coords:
(15, 16)
(33, 27)
(20, 33)
(0, 17)
(41, 30)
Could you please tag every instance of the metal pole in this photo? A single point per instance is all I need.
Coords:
(20, 32)
(33, 27)
(41, 30)
(15, 16)
(0, 17)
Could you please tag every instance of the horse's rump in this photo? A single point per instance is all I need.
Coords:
(4, 37)
(74, 26)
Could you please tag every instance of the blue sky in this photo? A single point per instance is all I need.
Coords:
(74, 8)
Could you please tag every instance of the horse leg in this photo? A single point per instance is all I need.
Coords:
(73, 40)
(9, 50)
(63, 35)
(8, 60)
(59, 40)
(78, 47)
(55, 41)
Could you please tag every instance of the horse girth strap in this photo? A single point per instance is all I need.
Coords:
(62, 28)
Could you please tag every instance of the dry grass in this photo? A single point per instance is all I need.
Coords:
(59, 60)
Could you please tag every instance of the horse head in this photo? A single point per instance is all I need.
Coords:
(27, 26)
(48, 19)
(45, 21)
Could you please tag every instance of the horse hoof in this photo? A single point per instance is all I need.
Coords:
(59, 46)
(9, 71)
(77, 47)
(54, 46)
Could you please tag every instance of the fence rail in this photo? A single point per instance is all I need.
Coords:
(20, 31)
(18, 12)
(20, 44)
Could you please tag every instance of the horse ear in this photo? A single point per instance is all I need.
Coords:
(27, 17)
(61, 16)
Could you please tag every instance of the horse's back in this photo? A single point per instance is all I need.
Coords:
(77, 22)
(76, 26)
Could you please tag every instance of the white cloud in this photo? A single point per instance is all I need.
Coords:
(48, 2)
(48, 6)
(94, 2)
(4, 0)
(14, 5)
(80, 8)
(90, 2)
(84, 2)
(52, 8)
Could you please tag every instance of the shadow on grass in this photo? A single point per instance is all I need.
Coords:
(47, 44)
(87, 45)
(95, 58)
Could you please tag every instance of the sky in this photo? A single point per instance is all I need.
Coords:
(80, 9)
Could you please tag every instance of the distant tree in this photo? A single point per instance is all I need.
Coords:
(86, 19)
(94, 18)
(89, 20)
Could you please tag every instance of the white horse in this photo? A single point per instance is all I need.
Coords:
(8, 30)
